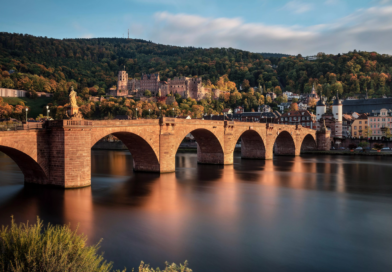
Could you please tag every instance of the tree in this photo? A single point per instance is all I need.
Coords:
(367, 132)
(268, 99)
(147, 93)
(378, 146)
(278, 90)
(363, 144)
(245, 85)
(293, 107)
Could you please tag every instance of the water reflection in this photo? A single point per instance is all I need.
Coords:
(286, 214)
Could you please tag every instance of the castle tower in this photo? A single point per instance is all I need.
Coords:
(337, 111)
(122, 81)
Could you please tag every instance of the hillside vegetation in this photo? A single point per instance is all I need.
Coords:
(50, 63)
(43, 64)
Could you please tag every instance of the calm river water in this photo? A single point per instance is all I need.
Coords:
(308, 213)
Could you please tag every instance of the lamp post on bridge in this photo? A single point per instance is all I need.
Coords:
(173, 112)
(47, 112)
(149, 116)
(27, 124)
(136, 113)
(160, 113)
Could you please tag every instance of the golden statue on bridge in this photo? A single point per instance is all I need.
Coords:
(72, 98)
(73, 109)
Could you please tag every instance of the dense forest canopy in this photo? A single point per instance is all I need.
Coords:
(351, 74)
(96, 62)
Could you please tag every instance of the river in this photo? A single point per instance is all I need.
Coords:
(307, 213)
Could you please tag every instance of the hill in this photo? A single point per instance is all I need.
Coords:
(51, 63)
(351, 74)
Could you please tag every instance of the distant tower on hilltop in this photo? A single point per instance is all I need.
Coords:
(122, 82)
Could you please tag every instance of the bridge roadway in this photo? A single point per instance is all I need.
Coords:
(60, 153)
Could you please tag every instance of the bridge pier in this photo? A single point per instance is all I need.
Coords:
(70, 157)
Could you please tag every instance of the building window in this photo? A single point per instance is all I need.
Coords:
(360, 127)
(355, 127)
(303, 113)
(360, 122)
(365, 122)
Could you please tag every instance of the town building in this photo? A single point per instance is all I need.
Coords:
(270, 117)
(359, 127)
(272, 95)
(284, 106)
(291, 95)
(366, 105)
(312, 96)
(264, 108)
(227, 111)
(346, 127)
(299, 117)
(302, 106)
(379, 119)
(239, 110)
(4, 92)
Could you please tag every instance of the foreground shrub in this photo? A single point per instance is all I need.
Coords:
(28, 248)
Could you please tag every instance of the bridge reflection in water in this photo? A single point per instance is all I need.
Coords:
(239, 217)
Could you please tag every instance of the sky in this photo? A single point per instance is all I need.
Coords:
(277, 26)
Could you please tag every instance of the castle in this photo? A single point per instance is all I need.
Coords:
(184, 86)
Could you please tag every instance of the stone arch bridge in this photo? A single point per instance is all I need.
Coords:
(60, 153)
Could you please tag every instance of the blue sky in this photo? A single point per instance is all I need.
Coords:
(282, 26)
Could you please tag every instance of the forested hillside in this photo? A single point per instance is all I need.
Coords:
(50, 63)
(350, 74)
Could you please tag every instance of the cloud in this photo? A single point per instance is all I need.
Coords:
(367, 30)
(298, 7)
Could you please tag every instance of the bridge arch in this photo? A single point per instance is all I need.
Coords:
(284, 144)
(308, 143)
(32, 170)
(144, 154)
(252, 144)
(209, 147)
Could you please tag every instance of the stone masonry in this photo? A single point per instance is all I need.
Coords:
(60, 153)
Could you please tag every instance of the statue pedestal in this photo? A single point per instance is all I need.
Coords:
(73, 113)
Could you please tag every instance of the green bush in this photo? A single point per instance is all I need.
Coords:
(26, 247)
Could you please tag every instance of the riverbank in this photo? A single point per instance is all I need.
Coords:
(348, 153)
